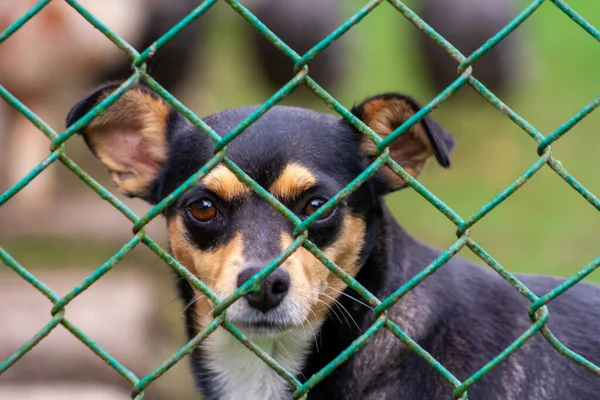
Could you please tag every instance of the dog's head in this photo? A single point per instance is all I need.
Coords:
(222, 231)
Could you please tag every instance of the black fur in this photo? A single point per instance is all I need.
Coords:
(463, 315)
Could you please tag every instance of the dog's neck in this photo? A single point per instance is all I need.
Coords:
(225, 369)
(236, 373)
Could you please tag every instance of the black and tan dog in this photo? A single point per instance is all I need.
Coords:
(303, 315)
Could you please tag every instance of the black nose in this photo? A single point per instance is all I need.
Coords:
(272, 290)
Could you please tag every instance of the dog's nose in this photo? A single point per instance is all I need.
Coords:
(272, 290)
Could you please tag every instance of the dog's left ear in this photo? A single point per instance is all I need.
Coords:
(385, 113)
(129, 137)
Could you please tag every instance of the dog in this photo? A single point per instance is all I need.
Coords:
(303, 315)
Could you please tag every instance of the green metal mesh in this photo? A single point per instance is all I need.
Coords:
(538, 310)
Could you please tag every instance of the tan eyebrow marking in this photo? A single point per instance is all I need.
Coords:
(224, 183)
(293, 181)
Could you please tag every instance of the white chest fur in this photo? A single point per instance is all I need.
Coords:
(241, 375)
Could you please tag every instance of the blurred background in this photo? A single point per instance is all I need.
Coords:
(61, 231)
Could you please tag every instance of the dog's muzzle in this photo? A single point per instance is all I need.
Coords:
(273, 289)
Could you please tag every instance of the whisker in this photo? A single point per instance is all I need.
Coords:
(313, 313)
(205, 278)
(291, 358)
(177, 297)
(313, 329)
(350, 297)
(167, 304)
(326, 309)
(329, 308)
(314, 333)
(338, 304)
(188, 305)
(194, 299)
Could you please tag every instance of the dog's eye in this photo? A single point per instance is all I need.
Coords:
(313, 205)
(203, 210)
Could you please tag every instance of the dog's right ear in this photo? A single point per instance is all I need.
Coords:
(425, 139)
(129, 138)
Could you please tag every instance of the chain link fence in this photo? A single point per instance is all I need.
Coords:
(541, 144)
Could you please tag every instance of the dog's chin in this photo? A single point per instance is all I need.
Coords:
(265, 328)
(274, 323)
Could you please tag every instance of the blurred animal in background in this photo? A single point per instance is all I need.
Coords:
(300, 24)
(172, 65)
(58, 54)
(468, 24)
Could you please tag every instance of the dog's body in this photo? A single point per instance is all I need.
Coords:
(464, 316)
(303, 315)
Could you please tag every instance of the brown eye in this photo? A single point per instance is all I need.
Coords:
(313, 205)
(203, 210)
